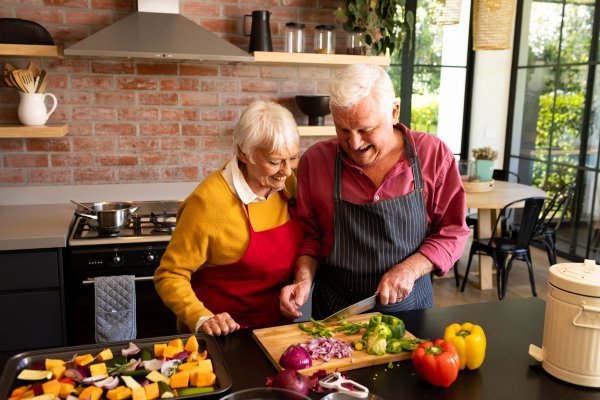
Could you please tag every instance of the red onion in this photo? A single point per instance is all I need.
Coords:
(292, 380)
(108, 383)
(131, 350)
(327, 348)
(295, 357)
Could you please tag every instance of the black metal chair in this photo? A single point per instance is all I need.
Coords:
(551, 219)
(507, 247)
(497, 175)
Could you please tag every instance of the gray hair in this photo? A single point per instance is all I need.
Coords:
(268, 125)
(358, 81)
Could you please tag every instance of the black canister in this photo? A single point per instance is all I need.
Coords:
(260, 33)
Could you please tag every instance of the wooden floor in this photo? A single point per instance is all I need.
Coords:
(447, 294)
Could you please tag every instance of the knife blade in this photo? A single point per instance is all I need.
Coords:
(351, 310)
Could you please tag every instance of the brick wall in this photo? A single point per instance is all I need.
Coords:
(139, 121)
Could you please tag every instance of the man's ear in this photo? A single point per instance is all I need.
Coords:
(396, 111)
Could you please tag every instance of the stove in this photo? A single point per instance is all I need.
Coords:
(153, 221)
(134, 250)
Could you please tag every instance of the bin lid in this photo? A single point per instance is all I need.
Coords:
(579, 278)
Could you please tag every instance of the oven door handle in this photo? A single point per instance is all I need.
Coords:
(90, 281)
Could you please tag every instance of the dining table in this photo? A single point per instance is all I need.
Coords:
(488, 205)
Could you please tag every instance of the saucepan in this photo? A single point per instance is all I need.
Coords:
(110, 215)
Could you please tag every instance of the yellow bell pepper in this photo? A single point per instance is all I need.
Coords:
(470, 343)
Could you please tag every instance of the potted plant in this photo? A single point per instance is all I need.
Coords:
(484, 163)
(385, 23)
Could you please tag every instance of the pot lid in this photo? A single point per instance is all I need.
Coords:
(579, 278)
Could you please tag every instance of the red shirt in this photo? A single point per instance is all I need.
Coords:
(445, 197)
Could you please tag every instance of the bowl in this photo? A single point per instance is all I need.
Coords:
(264, 393)
(315, 106)
(344, 396)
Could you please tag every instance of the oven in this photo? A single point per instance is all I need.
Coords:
(135, 250)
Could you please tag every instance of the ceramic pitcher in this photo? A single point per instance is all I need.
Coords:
(32, 108)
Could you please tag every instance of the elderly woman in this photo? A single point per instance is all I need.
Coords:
(237, 237)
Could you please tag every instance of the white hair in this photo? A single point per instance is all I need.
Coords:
(358, 81)
(266, 125)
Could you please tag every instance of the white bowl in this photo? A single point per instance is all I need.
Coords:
(265, 393)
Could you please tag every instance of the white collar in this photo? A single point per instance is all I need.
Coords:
(238, 185)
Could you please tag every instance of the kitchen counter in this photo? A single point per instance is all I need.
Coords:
(35, 226)
(507, 373)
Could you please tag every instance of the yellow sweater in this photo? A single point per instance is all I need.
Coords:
(212, 230)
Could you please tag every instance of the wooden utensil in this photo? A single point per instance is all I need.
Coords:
(27, 79)
(16, 79)
(42, 82)
(8, 67)
(34, 68)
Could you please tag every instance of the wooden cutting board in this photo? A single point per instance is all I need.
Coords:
(276, 339)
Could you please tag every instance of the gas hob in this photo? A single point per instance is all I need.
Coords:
(153, 221)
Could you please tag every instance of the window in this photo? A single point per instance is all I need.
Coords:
(433, 87)
(554, 136)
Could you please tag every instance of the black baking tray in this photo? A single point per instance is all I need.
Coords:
(8, 380)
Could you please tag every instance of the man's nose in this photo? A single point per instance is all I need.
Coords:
(354, 140)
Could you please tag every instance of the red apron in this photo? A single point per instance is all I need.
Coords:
(249, 288)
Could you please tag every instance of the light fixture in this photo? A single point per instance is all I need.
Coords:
(493, 24)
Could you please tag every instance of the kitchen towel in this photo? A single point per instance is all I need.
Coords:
(115, 308)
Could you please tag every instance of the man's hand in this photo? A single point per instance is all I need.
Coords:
(219, 324)
(399, 281)
(293, 297)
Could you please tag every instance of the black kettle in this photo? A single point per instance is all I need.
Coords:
(260, 34)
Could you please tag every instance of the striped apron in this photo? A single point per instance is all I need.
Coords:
(369, 239)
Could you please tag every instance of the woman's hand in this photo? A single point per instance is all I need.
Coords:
(219, 324)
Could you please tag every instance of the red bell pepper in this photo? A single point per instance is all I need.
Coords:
(437, 362)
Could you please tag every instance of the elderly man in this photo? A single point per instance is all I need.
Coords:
(381, 206)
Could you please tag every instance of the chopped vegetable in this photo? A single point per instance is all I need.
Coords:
(437, 362)
(469, 341)
(327, 348)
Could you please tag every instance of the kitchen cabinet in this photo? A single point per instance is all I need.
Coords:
(326, 130)
(31, 299)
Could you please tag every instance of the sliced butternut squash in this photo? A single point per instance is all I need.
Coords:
(177, 343)
(201, 379)
(152, 391)
(52, 386)
(84, 359)
(138, 393)
(180, 379)
(105, 355)
(98, 369)
(191, 344)
(158, 349)
(91, 393)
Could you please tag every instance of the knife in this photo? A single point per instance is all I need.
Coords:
(351, 310)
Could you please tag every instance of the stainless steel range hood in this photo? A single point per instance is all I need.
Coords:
(158, 31)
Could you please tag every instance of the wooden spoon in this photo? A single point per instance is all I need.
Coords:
(8, 67)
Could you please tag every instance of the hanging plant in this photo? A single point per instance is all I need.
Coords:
(385, 23)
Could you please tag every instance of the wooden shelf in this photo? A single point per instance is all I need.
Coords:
(325, 60)
(328, 130)
(22, 131)
(31, 50)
